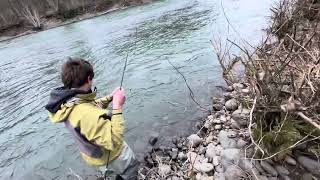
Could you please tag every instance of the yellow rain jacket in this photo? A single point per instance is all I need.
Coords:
(98, 134)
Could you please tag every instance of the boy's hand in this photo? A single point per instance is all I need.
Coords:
(118, 98)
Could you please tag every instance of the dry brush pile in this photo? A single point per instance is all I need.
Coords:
(283, 77)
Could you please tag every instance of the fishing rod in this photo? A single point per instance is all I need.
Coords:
(124, 70)
(125, 64)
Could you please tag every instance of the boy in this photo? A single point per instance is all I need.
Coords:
(99, 134)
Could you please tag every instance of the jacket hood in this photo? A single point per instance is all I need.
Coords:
(61, 95)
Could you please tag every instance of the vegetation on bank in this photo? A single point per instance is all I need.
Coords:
(19, 16)
(283, 76)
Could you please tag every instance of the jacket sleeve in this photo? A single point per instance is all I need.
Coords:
(104, 102)
(106, 133)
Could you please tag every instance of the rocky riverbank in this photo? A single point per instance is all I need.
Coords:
(54, 21)
(222, 150)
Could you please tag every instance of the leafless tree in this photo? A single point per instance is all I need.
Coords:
(27, 12)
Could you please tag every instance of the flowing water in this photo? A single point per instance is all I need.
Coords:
(158, 100)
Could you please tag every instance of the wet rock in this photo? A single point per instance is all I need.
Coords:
(241, 116)
(217, 127)
(211, 151)
(219, 176)
(229, 157)
(307, 176)
(268, 168)
(234, 173)
(232, 105)
(241, 143)
(311, 165)
(194, 140)
(182, 156)
(282, 170)
(225, 141)
(290, 160)
(164, 169)
(217, 107)
(174, 153)
(153, 139)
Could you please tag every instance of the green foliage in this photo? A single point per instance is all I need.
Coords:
(282, 135)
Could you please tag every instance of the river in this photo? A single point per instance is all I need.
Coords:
(158, 100)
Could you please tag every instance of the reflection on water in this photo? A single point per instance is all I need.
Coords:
(158, 101)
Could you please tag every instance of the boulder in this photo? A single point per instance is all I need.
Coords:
(290, 160)
(225, 141)
(282, 170)
(262, 178)
(241, 116)
(194, 140)
(234, 124)
(307, 176)
(232, 105)
(234, 173)
(230, 157)
(211, 151)
(241, 143)
(219, 176)
(311, 165)
(268, 168)
(203, 167)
